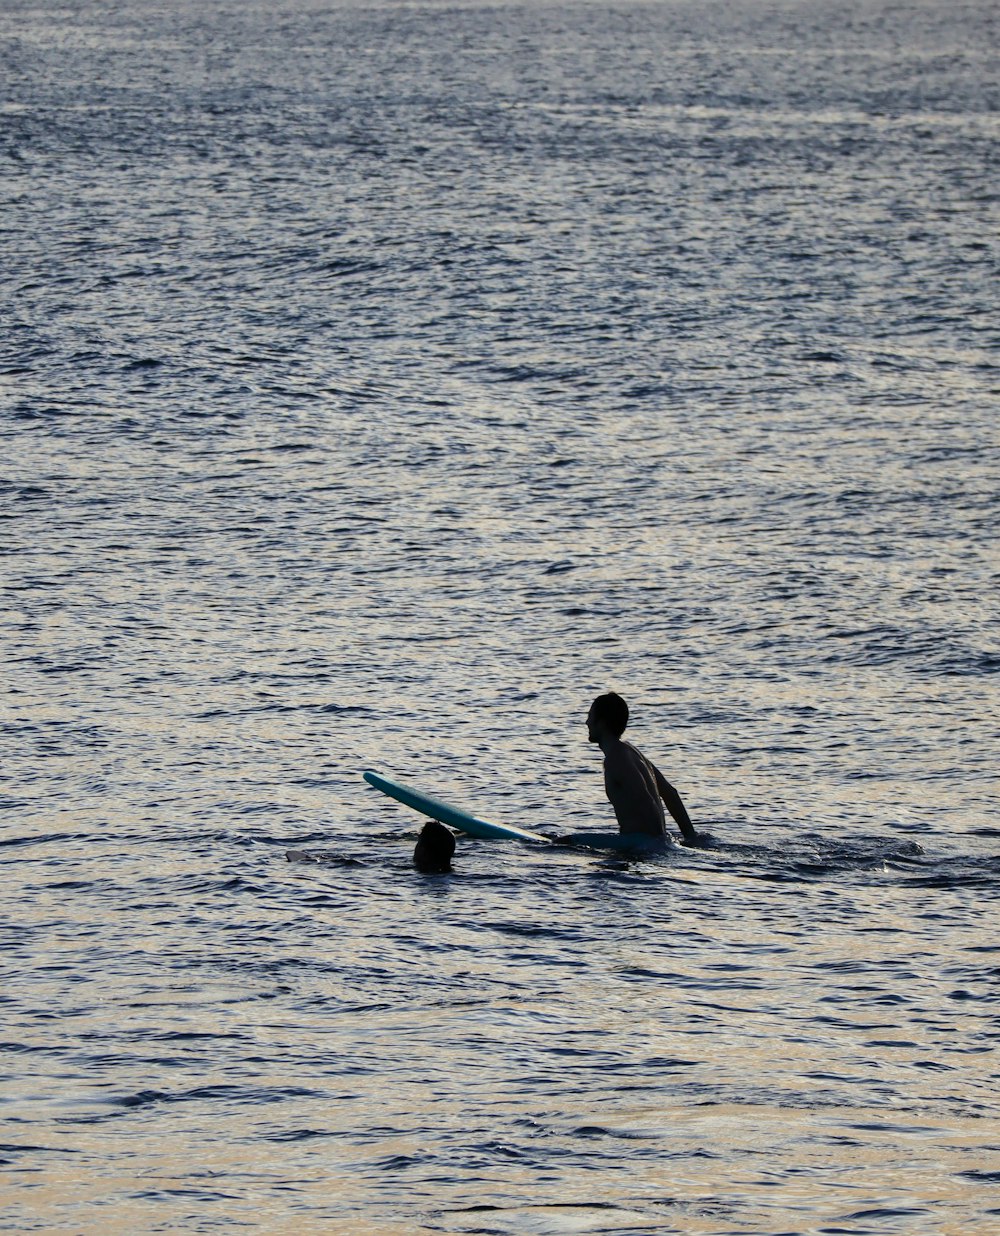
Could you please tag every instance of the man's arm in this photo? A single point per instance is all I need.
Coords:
(675, 805)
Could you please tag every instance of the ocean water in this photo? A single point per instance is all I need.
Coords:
(378, 383)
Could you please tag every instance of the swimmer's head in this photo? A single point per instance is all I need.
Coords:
(607, 713)
(434, 849)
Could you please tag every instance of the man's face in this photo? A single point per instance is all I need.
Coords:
(591, 734)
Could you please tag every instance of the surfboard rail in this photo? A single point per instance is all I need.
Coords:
(453, 817)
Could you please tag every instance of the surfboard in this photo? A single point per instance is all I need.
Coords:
(626, 843)
(451, 816)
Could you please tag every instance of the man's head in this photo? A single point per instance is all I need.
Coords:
(608, 717)
(435, 846)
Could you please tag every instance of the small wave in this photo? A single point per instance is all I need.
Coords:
(301, 1135)
(886, 1213)
(598, 1131)
(193, 1036)
(42, 838)
(13, 1148)
(812, 857)
(326, 858)
(327, 709)
(231, 1093)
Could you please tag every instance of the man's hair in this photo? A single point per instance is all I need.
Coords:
(613, 711)
(434, 849)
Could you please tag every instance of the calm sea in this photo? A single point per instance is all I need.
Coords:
(378, 383)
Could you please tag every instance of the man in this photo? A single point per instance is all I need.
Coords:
(634, 785)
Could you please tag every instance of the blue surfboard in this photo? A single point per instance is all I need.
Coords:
(451, 816)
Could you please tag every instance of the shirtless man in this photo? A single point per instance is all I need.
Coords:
(634, 785)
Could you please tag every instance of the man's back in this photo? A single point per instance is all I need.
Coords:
(630, 783)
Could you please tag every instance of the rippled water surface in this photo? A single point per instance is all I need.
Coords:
(378, 383)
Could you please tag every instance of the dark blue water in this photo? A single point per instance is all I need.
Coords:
(380, 382)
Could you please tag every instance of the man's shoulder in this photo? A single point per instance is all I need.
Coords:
(624, 755)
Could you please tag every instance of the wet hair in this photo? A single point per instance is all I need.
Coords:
(435, 846)
(613, 711)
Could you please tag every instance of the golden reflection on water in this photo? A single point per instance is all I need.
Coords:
(840, 1156)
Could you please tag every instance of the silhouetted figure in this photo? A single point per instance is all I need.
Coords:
(434, 849)
(634, 785)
